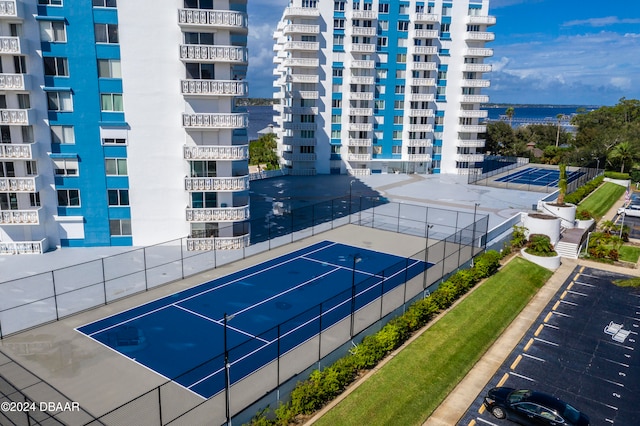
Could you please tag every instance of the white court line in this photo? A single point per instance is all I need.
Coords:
(195, 295)
(341, 267)
(220, 323)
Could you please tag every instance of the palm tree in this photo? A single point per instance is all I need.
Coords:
(560, 117)
(509, 112)
(562, 184)
(622, 152)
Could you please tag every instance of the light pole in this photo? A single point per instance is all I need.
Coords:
(426, 262)
(356, 259)
(350, 191)
(473, 238)
(622, 225)
(227, 380)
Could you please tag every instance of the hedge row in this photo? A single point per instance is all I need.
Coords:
(322, 386)
(581, 192)
(616, 175)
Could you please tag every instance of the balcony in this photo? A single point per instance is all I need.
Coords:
(420, 127)
(301, 29)
(475, 83)
(290, 156)
(358, 157)
(428, 66)
(295, 141)
(8, 9)
(361, 96)
(360, 142)
(425, 17)
(301, 62)
(305, 94)
(287, 125)
(421, 113)
(474, 158)
(471, 143)
(472, 128)
(364, 14)
(426, 34)
(362, 80)
(302, 45)
(474, 99)
(17, 117)
(425, 50)
(479, 113)
(363, 31)
(204, 53)
(23, 247)
(427, 97)
(19, 184)
(219, 243)
(217, 184)
(420, 142)
(419, 157)
(218, 214)
(479, 36)
(481, 20)
(422, 82)
(367, 112)
(215, 121)
(20, 217)
(300, 110)
(480, 52)
(302, 12)
(359, 172)
(305, 78)
(10, 45)
(213, 88)
(13, 82)
(360, 127)
(363, 48)
(211, 19)
(363, 64)
(476, 67)
(222, 153)
(16, 151)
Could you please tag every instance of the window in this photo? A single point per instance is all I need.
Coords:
(53, 31)
(116, 166)
(383, 25)
(27, 134)
(119, 227)
(338, 39)
(106, 33)
(62, 134)
(20, 64)
(338, 5)
(199, 71)
(55, 66)
(5, 134)
(396, 149)
(404, 9)
(446, 10)
(401, 58)
(397, 119)
(338, 23)
(104, 3)
(68, 198)
(15, 30)
(398, 105)
(59, 101)
(198, 38)
(23, 101)
(65, 167)
(378, 104)
(383, 8)
(109, 68)
(310, 3)
(201, 200)
(307, 149)
(114, 141)
(336, 118)
(382, 41)
(34, 199)
(9, 201)
(403, 25)
(32, 168)
(399, 89)
(118, 197)
(111, 102)
(50, 2)
(336, 103)
(307, 134)
(203, 169)
(336, 134)
(307, 118)
(198, 4)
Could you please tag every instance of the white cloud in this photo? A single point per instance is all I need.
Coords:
(497, 4)
(600, 22)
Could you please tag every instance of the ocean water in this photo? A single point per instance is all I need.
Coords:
(261, 116)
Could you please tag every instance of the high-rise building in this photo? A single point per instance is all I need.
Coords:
(381, 86)
(119, 123)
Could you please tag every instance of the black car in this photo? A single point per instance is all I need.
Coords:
(532, 408)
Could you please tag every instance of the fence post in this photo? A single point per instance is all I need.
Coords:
(182, 255)
(144, 265)
(160, 406)
(104, 281)
(55, 295)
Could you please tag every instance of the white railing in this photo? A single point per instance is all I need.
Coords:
(426, 34)
(478, 52)
(359, 157)
(301, 29)
(422, 82)
(301, 11)
(215, 121)
(302, 45)
(300, 110)
(429, 97)
(214, 87)
(9, 44)
(306, 94)
(362, 47)
(301, 62)
(218, 243)
(360, 127)
(363, 31)
(204, 53)
(418, 157)
(429, 66)
(481, 20)
(363, 96)
(362, 79)
(420, 128)
(425, 50)
(20, 217)
(210, 152)
(18, 184)
(16, 151)
(475, 83)
(479, 113)
(361, 111)
(425, 17)
(421, 113)
(476, 67)
(22, 247)
(359, 172)
(15, 116)
(480, 36)
(212, 18)
(8, 9)
(360, 142)
(240, 183)
(12, 82)
(470, 157)
(364, 14)
(363, 64)
(472, 128)
(218, 214)
(474, 99)
(305, 78)
(471, 143)
(419, 142)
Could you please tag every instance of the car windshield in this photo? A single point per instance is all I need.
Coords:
(518, 395)
(571, 414)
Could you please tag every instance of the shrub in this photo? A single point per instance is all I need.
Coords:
(540, 245)
(583, 215)
(616, 175)
(581, 192)
(486, 264)
(518, 238)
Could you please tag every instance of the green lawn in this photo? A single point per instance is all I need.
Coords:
(629, 253)
(410, 386)
(602, 199)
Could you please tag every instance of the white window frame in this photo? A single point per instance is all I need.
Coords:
(103, 30)
(124, 226)
(63, 99)
(113, 68)
(50, 31)
(118, 192)
(66, 167)
(50, 3)
(62, 134)
(110, 97)
(119, 165)
(67, 191)
(58, 63)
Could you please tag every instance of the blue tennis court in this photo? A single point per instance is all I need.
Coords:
(271, 308)
(538, 176)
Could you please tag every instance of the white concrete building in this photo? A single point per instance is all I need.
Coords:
(379, 86)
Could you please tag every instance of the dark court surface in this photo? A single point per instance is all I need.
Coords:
(574, 351)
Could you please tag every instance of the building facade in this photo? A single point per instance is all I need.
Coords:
(381, 86)
(119, 123)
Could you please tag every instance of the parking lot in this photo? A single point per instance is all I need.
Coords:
(574, 351)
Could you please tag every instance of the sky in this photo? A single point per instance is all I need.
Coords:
(556, 52)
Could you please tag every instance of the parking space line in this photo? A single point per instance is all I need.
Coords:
(584, 284)
(481, 409)
(568, 303)
(540, 327)
(524, 377)
(528, 345)
(562, 314)
(614, 383)
(555, 327)
(534, 357)
(576, 276)
(547, 342)
(578, 293)
(617, 362)
(503, 380)
(515, 363)
(486, 422)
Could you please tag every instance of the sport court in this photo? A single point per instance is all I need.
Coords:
(538, 176)
(271, 308)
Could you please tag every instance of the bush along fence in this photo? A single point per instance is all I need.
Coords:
(321, 387)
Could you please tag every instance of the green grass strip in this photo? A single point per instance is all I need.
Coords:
(602, 199)
(412, 385)
(629, 254)
(630, 282)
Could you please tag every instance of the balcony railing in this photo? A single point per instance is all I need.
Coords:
(301, 29)
(474, 99)
(429, 66)
(302, 45)
(480, 36)
(22, 247)
(20, 217)
(420, 127)
(476, 67)
(478, 52)
(421, 113)
(360, 142)
(360, 127)
(18, 184)
(471, 143)
(367, 112)
(470, 157)
(363, 64)
(425, 17)
(214, 87)
(363, 31)
(305, 78)
(16, 151)
(301, 62)
(218, 243)
(12, 82)
(218, 214)
(481, 20)
(288, 125)
(479, 113)
(204, 53)
(358, 157)
(215, 121)
(472, 128)
(290, 156)
(10, 45)
(361, 96)
(300, 110)
(8, 9)
(428, 97)
(475, 83)
(425, 50)
(364, 14)
(306, 94)
(418, 157)
(294, 141)
(362, 47)
(362, 79)
(301, 11)
(240, 183)
(426, 34)
(19, 117)
(422, 82)
(230, 153)
(420, 142)
(212, 18)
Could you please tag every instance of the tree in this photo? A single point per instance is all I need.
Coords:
(624, 153)
(499, 138)
(562, 184)
(509, 112)
(559, 117)
(263, 151)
